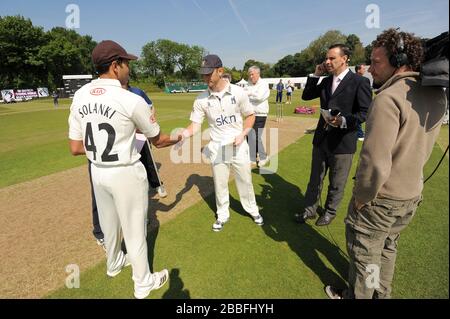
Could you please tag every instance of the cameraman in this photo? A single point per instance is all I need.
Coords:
(402, 127)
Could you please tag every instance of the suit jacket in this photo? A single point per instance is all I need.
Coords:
(352, 98)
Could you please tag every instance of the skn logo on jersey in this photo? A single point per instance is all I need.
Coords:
(225, 120)
(98, 91)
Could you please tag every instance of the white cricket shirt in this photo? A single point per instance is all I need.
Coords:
(224, 111)
(258, 94)
(105, 117)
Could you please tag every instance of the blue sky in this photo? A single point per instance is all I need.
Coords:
(236, 30)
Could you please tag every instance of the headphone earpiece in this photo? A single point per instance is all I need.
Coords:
(400, 58)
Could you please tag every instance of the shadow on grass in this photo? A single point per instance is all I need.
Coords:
(176, 286)
(278, 202)
(205, 186)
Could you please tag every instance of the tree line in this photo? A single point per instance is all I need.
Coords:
(31, 57)
(304, 62)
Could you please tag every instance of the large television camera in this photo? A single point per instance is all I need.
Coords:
(434, 69)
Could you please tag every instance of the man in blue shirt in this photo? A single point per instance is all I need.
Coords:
(280, 88)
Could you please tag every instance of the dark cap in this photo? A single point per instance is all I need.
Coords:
(107, 51)
(209, 63)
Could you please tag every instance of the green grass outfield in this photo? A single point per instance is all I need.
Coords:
(279, 260)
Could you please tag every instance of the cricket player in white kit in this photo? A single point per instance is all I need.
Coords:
(230, 116)
(258, 92)
(102, 124)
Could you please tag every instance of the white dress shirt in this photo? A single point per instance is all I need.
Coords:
(338, 79)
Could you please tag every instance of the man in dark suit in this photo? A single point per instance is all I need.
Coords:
(344, 101)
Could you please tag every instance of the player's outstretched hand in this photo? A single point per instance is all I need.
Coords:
(183, 136)
(179, 145)
(164, 140)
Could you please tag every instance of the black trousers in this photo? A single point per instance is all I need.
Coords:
(153, 180)
(279, 97)
(254, 139)
(338, 165)
(97, 230)
(148, 162)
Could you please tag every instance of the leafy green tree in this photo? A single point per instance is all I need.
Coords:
(301, 66)
(20, 64)
(167, 51)
(352, 41)
(236, 75)
(66, 52)
(165, 57)
(137, 71)
(160, 57)
(305, 62)
(368, 51)
(317, 50)
(150, 60)
(357, 49)
(285, 66)
(188, 60)
(29, 57)
(358, 55)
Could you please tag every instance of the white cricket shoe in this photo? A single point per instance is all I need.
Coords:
(218, 225)
(258, 220)
(159, 279)
(263, 162)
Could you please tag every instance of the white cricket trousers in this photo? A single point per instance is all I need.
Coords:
(239, 161)
(122, 201)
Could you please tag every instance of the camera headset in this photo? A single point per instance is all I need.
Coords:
(400, 58)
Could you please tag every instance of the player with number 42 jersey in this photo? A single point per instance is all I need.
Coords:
(112, 118)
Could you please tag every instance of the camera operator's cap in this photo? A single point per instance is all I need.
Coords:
(209, 63)
(108, 51)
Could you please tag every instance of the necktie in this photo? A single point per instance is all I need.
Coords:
(336, 82)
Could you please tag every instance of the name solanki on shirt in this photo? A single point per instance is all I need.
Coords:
(96, 109)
